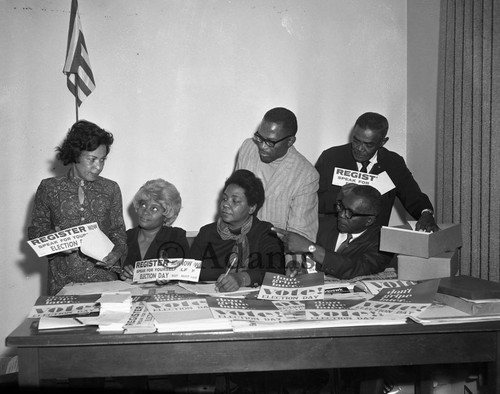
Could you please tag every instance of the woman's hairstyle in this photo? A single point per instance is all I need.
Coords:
(165, 194)
(252, 186)
(83, 135)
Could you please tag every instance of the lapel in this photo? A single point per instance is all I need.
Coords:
(379, 167)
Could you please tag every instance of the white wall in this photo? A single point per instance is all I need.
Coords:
(181, 83)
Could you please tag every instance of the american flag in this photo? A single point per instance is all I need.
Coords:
(80, 79)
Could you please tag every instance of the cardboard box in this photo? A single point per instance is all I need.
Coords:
(420, 268)
(403, 240)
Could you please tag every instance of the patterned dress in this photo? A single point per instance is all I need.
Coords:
(57, 204)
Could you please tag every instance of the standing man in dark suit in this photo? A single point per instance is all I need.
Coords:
(348, 243)
(365, 153)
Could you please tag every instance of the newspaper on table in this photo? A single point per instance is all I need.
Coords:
(336, 310)
(374, 286)
(401, 302)
(65, 305)
(210, 289)
(382, 182)
(247, 310)
(140, 320)
(163, 269)
(176, 310)
(185, 315)
(115, 310)
(281, 287)
(98, 245)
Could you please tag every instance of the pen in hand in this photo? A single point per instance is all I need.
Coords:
(234, 259)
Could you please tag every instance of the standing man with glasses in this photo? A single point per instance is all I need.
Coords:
(348, 242)
(290, 180)
(366, 153)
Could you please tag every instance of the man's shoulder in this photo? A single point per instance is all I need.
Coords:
(299, 160)
(247, 146)
(335, 154)
(389, 155)
(372, 232)
(337, 148)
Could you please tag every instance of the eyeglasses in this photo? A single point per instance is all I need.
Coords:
(270, 143)
(348, 213)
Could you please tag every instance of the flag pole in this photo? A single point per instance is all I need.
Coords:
(76, 95)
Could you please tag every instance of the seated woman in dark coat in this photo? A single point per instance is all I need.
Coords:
(238, 249)
(157, 204)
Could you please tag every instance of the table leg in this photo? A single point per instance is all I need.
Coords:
(424, 385)
(493, 377)
(29, 373)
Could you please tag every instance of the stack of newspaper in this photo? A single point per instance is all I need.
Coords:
(115, 310)
(177, 313)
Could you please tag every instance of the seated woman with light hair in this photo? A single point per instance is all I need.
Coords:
(157, 204)
(238, 249)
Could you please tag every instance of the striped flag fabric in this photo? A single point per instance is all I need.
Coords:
(80, 79)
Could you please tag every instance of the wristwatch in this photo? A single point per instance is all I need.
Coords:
(427, 211)
(312, 248)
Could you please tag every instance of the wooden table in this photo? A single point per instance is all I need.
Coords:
(84, 352)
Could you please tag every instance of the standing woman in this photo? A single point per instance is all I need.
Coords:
(79, 197)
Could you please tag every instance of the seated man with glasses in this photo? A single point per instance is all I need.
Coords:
(348, 242)
(290, 180)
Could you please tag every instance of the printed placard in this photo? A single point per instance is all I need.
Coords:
(374, 286)
(171, 269)
(60, 241)
(402, 301)
(246, 310)
(336, 310)
(277, 287)
(65, 305)
(140, 320)
(382, 182)
(178, 311)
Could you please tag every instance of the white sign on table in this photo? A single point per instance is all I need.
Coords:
(171, 269)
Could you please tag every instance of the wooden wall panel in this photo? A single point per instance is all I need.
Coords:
(468, 189)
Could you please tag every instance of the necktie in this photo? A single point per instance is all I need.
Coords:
(344, 244)
(364, 166)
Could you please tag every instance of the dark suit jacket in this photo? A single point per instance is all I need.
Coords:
(360, 257)
(407, 189)
(177, 247)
